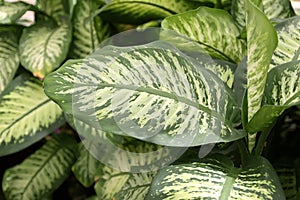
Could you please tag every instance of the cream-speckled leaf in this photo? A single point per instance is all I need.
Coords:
(88, 31)
(288, 48)
(238, 11)
(280, 9)
(115, 151)
(224, 70)
(58, 9)
(261, 42)
(86, 165)
(151, 92)
(212, 179)
(43, 47)
(281, 92)
(273, 9)
(9, 55)
(26, 115)
(213, 29)
(142, 11)
(113, 184)
(11, 12)
(42, 172)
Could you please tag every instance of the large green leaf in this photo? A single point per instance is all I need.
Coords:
(151, 92)
(216, 178)
(281, 92)
(9, 55)
(288, 48)
(213, 29)
(261, 42)
(26, 115)
(141, 11)
(86, 165)
(113, 184)
(42, 172)
(11, 12)
(44, 46)
(88, 31)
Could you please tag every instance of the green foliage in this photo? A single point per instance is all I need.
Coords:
(217, 178)
(212, 73)
(42, 172)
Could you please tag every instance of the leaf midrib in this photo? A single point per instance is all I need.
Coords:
(53, 154)
(162, 94)
(46, 47)
(26, 114)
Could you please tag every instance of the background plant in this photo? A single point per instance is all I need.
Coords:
(245, 99)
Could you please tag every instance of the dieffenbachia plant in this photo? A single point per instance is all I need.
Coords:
(212, 72)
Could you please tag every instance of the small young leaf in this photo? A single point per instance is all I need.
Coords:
(44, 46)
(153, 92)
(213, 29)
(216, 178)
(11, 12)
(261, 41)
(42, 172)
(26, 115)
(9, 55)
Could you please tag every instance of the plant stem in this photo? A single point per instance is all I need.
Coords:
(261, 141)
(243, 151)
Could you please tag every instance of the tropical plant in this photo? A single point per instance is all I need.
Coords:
(189, 99)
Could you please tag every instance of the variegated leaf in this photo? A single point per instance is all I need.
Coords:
(86, 165)
(216, 178)
(58, 9)
(288, 48)
(9, 55)
(151, 92)
(124, 154)
(238, 11)
(280, 9)
(224, 70)
(44, 46)
(213, 29)
(88, 31)
(273, 9)
(142, 11)
(11, 12)
(114, 184)
(281, 92)
(261, 42)
(26, 115)
(42, 172)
